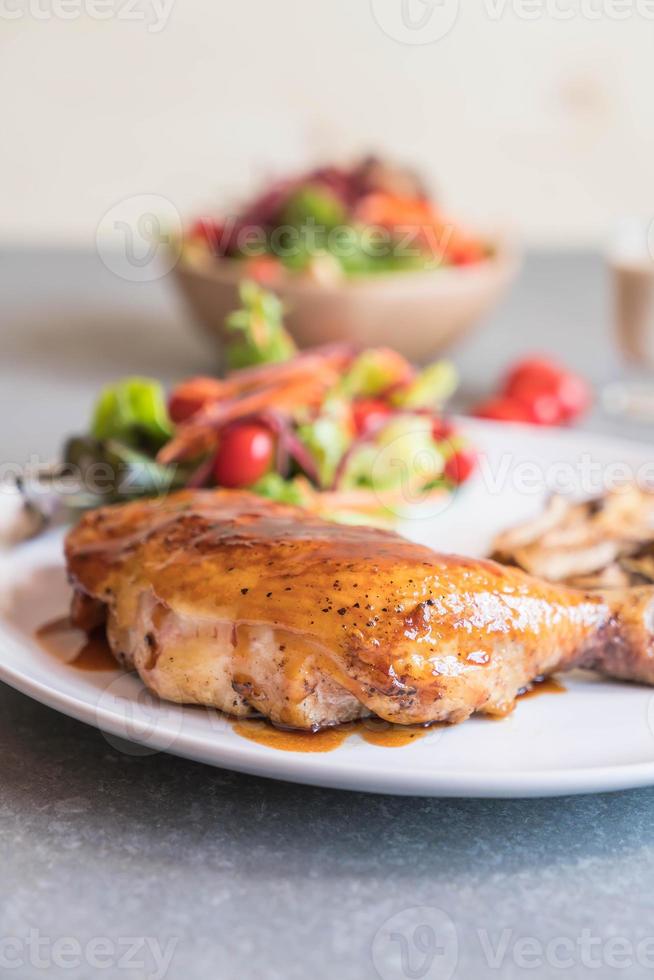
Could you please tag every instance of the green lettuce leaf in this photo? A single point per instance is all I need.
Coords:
(133, 411)
(374, 371)
(327, 438)
(275, 487)
(109, 470)
(430, 388)
(314, 205)
(403, 456)
(257, 329)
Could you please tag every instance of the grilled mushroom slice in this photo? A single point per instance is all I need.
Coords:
(606, 542)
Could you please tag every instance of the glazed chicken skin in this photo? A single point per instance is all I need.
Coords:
(222, 598)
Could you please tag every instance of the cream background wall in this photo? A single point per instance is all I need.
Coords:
(539, 115)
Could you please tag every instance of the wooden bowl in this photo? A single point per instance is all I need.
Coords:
(416, 313)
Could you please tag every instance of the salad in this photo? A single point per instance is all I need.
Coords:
(334, 223)
(357, 436)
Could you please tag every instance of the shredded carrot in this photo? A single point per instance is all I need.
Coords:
(200, 434)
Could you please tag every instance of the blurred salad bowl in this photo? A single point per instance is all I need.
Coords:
(417, 313)
(359, 254)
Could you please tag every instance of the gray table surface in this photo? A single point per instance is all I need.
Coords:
(243, 877)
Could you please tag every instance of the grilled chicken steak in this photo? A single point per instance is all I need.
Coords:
(222, 598)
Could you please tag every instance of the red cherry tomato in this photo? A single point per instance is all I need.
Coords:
(533, 369)
(181, 408)
(542, 407)
(535, 380)
(574, 395)
(244, 455)
(368, 414)
(460, 466)
(442, 429)
(189, 396)
(502, 409)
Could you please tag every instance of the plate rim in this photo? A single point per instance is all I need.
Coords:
(306, 769)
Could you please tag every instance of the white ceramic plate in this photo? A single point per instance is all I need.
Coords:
(597, 736)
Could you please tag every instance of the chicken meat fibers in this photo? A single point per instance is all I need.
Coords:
(222, 598)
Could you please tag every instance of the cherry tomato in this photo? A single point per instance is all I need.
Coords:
(535, 379)
(442, 429)
(543, 408)
(574, 395)
(181, 407)
(460, 466)
(533, 369)
(368, 414)
(188, 397)
(502, 409)
(244, 455)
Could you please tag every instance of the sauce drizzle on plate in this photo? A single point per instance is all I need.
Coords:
(542, 685)
(539, 685)
(75, 647)
(373, 731)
